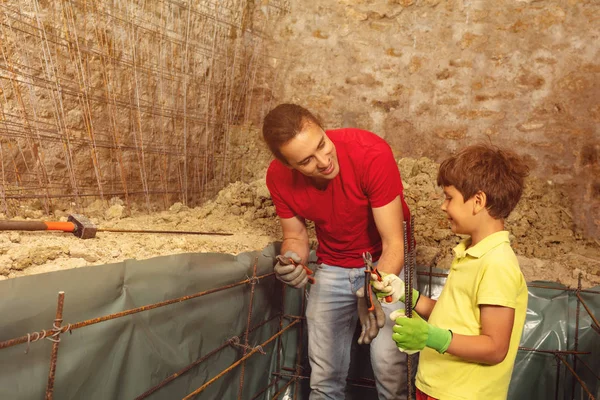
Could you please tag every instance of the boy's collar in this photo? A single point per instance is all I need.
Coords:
(488, 243)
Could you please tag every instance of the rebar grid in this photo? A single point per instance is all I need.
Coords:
(54, 334)
(103, 98)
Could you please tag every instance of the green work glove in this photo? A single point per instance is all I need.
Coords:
(392, 285)
(415, 333)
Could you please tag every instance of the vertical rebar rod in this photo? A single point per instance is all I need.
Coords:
(576, 340)
(248, 322)
(56, 342)
(408, 286)
(557, 383)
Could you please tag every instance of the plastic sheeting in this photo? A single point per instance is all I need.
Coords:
(124, 357)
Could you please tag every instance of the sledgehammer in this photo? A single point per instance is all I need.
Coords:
(82, 227)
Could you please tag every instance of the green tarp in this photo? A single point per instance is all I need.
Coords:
(123, 358)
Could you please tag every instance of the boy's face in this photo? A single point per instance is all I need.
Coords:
(460, 212)
(312, 153)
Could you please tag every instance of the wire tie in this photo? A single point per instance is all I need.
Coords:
(253, 281)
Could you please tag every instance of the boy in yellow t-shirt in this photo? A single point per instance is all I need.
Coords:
(469, 337)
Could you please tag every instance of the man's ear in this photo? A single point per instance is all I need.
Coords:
(479, 202)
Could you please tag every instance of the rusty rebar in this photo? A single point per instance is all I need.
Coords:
(360, 382)
(581, 382)
(553, 351)
(56, 342)
(45, 333)
(576, 341)
(595, 373)
(182, 371)
(235, 364)
(248, 322)
(588, 310)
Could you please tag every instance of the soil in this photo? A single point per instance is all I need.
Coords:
(544, 237)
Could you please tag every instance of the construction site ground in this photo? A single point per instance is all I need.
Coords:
(543, 234)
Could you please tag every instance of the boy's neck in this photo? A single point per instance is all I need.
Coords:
(484, 230)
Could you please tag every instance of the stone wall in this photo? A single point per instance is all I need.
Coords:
(432, 76)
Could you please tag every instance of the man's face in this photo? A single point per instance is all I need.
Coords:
(312, 153)
(460, 212)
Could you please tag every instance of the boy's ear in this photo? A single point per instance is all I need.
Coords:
(479, 202)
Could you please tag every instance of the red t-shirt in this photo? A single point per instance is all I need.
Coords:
(342, 214)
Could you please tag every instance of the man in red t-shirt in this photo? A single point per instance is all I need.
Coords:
(347, 182)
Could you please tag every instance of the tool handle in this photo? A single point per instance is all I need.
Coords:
(309, 272)
(8, 225)
(389, 298)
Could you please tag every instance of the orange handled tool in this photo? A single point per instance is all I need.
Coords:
(368, 259)
(287, 261)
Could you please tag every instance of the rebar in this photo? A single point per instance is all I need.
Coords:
(55, 343)
(71, 327)
(235, 364)
(170, 80)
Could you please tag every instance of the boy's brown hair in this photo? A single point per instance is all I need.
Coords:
(499, 173)
(283, 123)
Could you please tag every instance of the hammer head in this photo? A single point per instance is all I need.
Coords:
(84, 228)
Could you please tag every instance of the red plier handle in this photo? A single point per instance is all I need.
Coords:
(372, 270)
(286, 260)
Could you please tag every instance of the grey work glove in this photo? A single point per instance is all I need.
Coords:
(290, 271)
(370, 321)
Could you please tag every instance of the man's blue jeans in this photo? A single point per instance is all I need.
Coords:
(332, 316)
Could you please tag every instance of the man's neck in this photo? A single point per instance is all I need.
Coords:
(320, 184)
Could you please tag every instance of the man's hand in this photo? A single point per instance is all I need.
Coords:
(392, 285)
(415, 333)
(370, 321)
(291, 273)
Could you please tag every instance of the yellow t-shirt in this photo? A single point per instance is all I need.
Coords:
(487, 273)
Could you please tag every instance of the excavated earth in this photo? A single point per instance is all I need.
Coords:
(548, 245)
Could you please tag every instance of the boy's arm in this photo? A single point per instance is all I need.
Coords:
(492, 345)
(488, 348)
(424, 306)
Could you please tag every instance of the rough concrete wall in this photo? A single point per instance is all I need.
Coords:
(432, 76)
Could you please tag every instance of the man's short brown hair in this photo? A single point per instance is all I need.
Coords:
(283, 123)
(498, 173)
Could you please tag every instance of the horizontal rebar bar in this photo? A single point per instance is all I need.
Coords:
(70, 327)
(553, 351)
(238, 362)
(363, 382)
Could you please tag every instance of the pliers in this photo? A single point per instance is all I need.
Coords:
(370, 269)
(288, 261)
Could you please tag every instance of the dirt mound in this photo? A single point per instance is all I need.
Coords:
(543, 233)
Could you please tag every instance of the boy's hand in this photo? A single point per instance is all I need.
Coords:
(392, 285)
(415, 333)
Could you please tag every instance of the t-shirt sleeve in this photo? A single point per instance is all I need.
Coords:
(501, 283)
(274, 180)
(381, 178)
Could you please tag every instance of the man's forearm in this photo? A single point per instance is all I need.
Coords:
(392, 258)
(298, 246)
